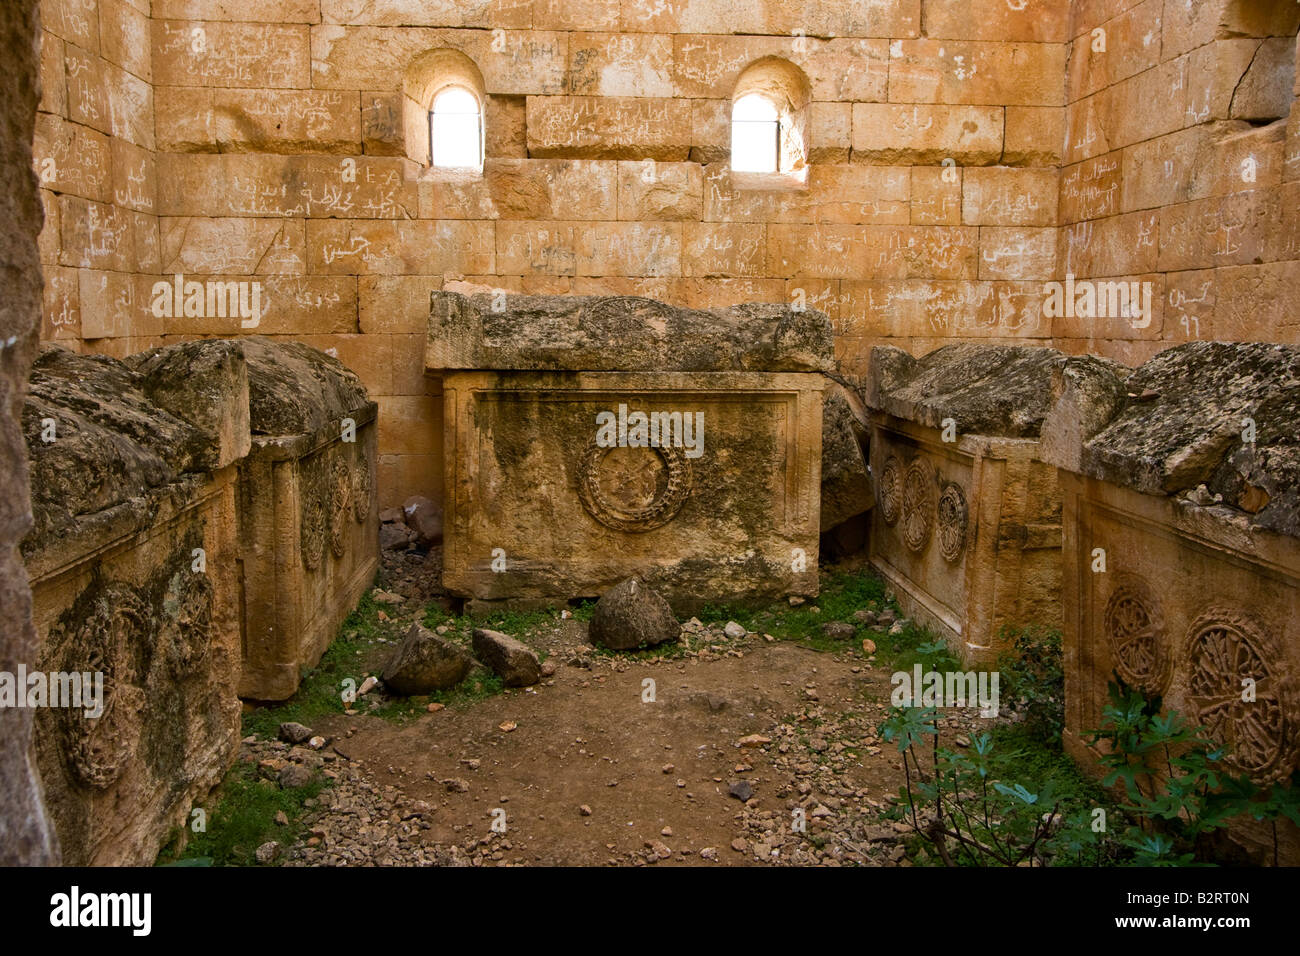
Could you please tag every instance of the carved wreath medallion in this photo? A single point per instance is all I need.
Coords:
(918, 505)
(361, 489)
(953, 517)
(622, 308)
(633, 489)
(1227, 651)
(185, 624)
(99, 749)
(312, 515)
(340, 506)
(1134, 625)
(889, 490)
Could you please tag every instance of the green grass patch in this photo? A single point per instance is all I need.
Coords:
(242, 818)
(321, 690)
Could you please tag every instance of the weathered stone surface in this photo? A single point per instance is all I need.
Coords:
(111, 447)
(699, 521)
(26, 837)
(512, 660)
(424, 519)
(1002, 390)
(631, 615)
(425, 662)
(294, 733)
(297, 389)
(1185, 422)
(1087, 391)
(206, 384)
(308, 485)
(621, 333)
(846, 486)
(967, 530)
(126, 495)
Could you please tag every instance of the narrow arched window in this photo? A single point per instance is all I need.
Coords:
(755, 135)
(770, 108)
(456, 130)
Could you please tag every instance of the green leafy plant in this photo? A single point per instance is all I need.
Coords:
(968, 817)
(1033, 676)
(1178, 789)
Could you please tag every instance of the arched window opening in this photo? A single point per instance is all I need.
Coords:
(456, 130)
(755, 135)
(770, 108)
(444, 109)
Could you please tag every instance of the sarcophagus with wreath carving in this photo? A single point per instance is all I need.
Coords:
(135, 589)
(309, 537)
(589, 439)
(1181, 488)
(967, 525)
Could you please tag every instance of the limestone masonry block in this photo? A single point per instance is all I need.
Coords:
(609, 127)
(925, 134)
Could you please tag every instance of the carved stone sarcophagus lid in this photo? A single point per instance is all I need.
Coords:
(967, 520)
(1181, 486)
(589, 439)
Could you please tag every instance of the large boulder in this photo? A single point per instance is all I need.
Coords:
(631, 615)
(511, 660)
(424, 519)
(424, 663)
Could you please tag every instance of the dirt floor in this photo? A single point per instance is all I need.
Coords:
(738, 751)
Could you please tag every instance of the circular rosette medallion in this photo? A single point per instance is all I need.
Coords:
(952, 521)
(615, 313)
(361, 486)
(918, 505)
(1238, 690)
(1134, 625)
(185, 625)
(340, 483)
(633, 489)
(313, 515)
(889, 490)
(98, 749)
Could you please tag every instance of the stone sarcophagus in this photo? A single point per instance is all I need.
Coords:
(308, 531)
(589, 439)
(135, 592)
(966, 526)
(1181, 489)
(201, 511)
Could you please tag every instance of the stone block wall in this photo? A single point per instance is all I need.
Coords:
(962, 153)
(278, 152)
(1181, 168)
(95, 156)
